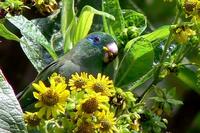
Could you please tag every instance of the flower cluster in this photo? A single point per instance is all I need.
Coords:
(84, 104)
(192, 8)
(183, 34)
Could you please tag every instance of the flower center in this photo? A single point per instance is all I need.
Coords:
(97, 87)
(32, 119)
(50, 97)
(57, 80)
(90, 106)
(105, 125)
(86, 128)
(79, 83)
(189, 6)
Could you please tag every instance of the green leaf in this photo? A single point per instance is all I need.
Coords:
(85, 22)
(171, 92)
(157, 99)
(50, 28)
(38, 56)
(31, 32)
(174, 101)
(67, 15)
(134, 21)
(4, 32)
(160, 33)
(189, 78)
(67, 23)
(113, 7)
(167, 107)
(137, 61)
(141, 80)
(159, 92)
(11, 116)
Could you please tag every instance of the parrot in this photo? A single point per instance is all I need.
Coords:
(90, 55)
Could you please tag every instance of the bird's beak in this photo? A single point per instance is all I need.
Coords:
(110, 52)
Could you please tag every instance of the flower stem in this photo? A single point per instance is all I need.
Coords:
(162, 59)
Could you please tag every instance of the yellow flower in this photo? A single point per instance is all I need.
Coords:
(77, 82)
(84, 125)
(135, 125)
(92, 102)
(107, 122)
(182, 34)
(32, 119)
(189, 6)
(51, 100)
(56, 79)
(46, 6)
(101, 84)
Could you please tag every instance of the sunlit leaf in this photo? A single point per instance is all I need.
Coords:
(50, 28)
(85, 22)
(160, 33)
(113, 7)
(137, 61)
(31, 32)
(38, 56)
(67, 23)
(4, 32)
(68, 14)
(11, 116)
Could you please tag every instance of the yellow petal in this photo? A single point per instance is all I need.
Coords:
(39, 104)
(38, 88)
(61, 87)
(42, 85)
(53, 83)
(99, 76)
(61, 108)
(63, 96)
(36, 95)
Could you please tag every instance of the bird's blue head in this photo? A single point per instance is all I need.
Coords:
(106, 43)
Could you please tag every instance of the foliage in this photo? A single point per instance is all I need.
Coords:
(11, 113)
(145, 58)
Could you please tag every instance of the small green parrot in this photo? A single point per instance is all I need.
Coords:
(90, 55)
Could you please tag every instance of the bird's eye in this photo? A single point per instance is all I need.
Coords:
(96, 39)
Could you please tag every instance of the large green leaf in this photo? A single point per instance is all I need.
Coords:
(38, 56)
(160, 33)
(110, 26)
(68, 14)
(11, 116)
(50, 28)
(67, 21)
(32, 33)
(85, 22)
(137, 61)
(4, 32)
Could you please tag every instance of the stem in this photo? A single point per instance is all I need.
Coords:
(166, 47)
(184, 52)
(142, 79)
(162, 59)
(146, 93)
(193, 63)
